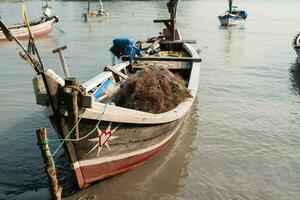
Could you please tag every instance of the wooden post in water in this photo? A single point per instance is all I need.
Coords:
(55, 189)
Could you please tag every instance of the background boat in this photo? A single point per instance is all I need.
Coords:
(39, 27)
(233, 16)
(98, 14)
(296, 46)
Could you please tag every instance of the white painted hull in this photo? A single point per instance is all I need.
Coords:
(230, 21)
(20, 31)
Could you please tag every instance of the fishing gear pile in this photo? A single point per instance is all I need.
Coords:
(153, 89)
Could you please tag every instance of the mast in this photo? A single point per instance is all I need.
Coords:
(88, 8)
(172, 7)
(100, 5)
(230, 6)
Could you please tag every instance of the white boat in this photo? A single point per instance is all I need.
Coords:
(99, 13)
(233, 16)
(39, 27)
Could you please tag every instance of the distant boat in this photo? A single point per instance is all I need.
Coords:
(94, 13)
(233, 16)
(296, 46)
(39, 27)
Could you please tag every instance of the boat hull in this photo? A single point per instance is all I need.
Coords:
(228, 20)
(37, 30)
(113, 139)
(129, 146)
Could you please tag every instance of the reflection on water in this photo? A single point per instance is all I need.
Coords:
(295, 77)
(160, 178)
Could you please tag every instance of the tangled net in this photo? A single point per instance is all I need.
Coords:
(152, 89)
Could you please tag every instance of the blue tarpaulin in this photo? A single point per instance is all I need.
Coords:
(99, 91)
(125, 46)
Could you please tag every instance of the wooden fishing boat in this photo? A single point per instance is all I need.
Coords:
(99, 13)
(103, 139)
(122, 138)
(296, 46)
(233, 16)
(39, 27)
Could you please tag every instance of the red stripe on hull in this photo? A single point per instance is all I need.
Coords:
(96, 172)
(36, 33)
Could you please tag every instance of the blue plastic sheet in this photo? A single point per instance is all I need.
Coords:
(125, 46)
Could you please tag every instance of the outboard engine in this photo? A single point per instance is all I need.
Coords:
(243, 14)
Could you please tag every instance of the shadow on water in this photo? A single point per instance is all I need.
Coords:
(161, 178)
(295, 77)
(22, 169)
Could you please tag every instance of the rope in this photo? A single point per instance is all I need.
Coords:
(66, 139)
(43, 142)
(31, 43)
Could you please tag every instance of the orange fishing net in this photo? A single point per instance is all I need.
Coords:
(152, 89)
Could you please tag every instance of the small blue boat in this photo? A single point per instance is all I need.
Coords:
(233, 16)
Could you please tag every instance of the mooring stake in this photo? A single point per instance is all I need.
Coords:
(55, 188)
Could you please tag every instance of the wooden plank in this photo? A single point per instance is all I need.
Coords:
(178, 41)
(97, 80)
(154, 45)
(168, 59)
(167, 65)
(86, 101)
(161, 20)
(118, 73)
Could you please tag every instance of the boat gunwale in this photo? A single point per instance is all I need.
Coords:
(126, 115)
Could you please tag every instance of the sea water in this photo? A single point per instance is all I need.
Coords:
(241, 140)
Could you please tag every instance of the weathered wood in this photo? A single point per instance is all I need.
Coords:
(54, 83)
(115, 72)
(55, 188)
(167, 22)
(178, 41)
(170, 24)
(173, 59)
(167, 65)
(161, 20)
(59, 48)
(154, 45)
(71, 100)
(85, 101)
(168, 34)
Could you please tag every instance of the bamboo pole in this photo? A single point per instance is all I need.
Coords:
(55, 188)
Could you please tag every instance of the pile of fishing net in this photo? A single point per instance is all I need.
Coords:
(152, 89)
